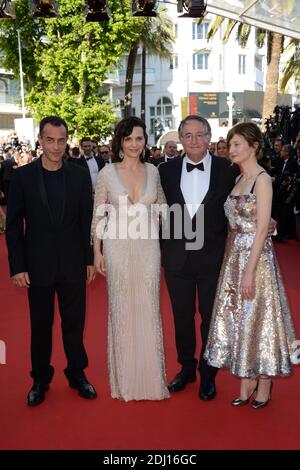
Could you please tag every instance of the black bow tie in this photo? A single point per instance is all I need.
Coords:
(88, 158)
(191, 167)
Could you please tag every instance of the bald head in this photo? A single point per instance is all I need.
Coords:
(170, 148)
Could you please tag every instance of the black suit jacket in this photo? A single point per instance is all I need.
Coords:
(209, 258)
(7, 169)
(49, 251)
(290, 169)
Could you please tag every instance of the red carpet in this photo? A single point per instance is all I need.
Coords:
(66, 421)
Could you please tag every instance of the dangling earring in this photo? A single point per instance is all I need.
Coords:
(121, 154)
(143, 154)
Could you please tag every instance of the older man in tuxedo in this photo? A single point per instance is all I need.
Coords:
(48, 238)
(197, 178)
(170, 151)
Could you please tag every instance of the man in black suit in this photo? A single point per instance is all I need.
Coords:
(197, 178)
(170, 151)
(48, 238)
(89, 161)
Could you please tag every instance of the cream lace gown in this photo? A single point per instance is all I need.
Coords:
(132, 261)
(250, 337)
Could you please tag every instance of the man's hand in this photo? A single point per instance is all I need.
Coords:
(91, 274)
(21, 280)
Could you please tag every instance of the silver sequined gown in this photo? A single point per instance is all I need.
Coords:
(132, 262)
(250, 337)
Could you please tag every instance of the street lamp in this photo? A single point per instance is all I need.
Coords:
(44, 8)
(193, 8)
(97, 10)
(7, 9)
(21, 73)
(144, 8)
(230, 102)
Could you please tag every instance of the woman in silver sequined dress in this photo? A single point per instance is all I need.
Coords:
(251, 331)
(126, 193)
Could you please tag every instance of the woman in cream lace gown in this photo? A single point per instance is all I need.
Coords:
(127, 223)
(251, 330)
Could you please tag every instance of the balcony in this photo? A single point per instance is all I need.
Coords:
(201, 75)
(9, 98)
(137, 77)
(113, 79)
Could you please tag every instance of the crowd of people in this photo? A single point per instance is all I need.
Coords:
(106, 209)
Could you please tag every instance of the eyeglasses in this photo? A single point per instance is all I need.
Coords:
(198, 136)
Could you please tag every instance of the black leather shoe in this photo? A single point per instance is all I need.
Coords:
(207, 391)
(85, 389)
(181, 380)
(37, 393)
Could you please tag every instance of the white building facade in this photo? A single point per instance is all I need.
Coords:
(9, 101)
(198, 66)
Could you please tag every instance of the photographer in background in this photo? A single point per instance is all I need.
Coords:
(284, 202)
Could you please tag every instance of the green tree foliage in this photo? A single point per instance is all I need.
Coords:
(66, 61)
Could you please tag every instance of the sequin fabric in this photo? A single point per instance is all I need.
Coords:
(135, 340)
(257, 336)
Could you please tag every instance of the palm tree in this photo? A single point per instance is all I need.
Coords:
(292, 67)
(274, 47)
(156, 38)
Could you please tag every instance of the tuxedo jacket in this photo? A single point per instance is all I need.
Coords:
(49, 249)
(82, 162)
(290, 169)
(209, 258)
(158, 161)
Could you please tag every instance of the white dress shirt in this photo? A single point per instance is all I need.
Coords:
(93, 169)
(194, 184)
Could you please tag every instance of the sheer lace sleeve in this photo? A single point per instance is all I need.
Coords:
(161, 201)
(100, 206)
(161, 198)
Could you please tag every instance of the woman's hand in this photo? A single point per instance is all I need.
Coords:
(99, 263)
(247, 287)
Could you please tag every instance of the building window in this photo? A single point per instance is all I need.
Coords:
(138, 63)
(174, 61)
(3, 91)
(242, 64)
(258, 63)
(200, 30)
(161, 118)
(200, 61)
